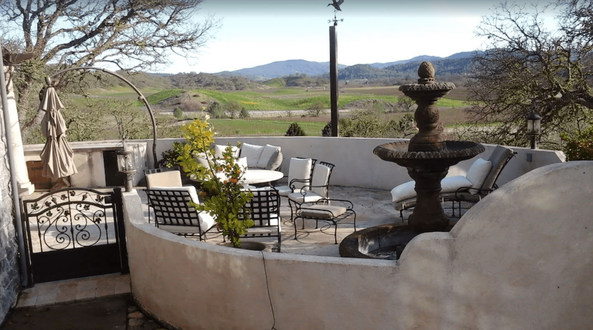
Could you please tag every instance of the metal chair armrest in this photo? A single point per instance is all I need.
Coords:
(349, 205)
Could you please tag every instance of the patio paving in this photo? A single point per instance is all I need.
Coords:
(372, 206)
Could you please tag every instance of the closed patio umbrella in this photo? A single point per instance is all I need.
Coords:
(57, 156)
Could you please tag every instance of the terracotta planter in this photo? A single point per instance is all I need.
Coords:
(253, 246)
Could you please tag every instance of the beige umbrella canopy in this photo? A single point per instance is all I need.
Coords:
(57, 156)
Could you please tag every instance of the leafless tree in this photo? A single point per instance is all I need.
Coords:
(527, 66)
(128, 34)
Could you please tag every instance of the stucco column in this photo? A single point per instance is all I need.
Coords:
(11, 115)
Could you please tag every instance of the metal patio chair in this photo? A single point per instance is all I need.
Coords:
(264, 210)
(479, 181)
(174, 213)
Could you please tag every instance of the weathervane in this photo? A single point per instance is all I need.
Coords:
(336, 5)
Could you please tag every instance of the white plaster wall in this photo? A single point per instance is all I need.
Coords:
(88, 158)
(519, 259)
(357, 166)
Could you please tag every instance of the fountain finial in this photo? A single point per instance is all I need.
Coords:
(426, 73)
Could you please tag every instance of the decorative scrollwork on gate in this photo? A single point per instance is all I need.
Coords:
(70, 218)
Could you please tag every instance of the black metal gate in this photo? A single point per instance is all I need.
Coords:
(74, 232)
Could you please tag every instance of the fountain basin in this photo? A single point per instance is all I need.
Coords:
(452, 153)
(380, 242)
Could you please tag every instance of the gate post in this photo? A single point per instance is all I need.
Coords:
(120, 230)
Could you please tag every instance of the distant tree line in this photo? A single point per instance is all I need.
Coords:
(194, 80)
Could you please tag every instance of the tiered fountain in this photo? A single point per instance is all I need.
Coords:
(428, 158)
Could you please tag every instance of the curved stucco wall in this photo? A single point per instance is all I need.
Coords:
(357, 166)
(520, 259)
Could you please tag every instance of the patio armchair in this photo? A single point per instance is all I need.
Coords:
(264, 210)
(325, 209)
(174, 213)
(479, 181)
(312, 201)
(312, 190)
(299, 174)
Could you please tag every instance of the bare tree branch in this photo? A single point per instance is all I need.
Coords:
(132, 34)
(527, 65)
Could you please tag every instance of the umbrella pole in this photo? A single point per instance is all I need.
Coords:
(13, 177)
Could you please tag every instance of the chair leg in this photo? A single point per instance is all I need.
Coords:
(453, 208)
(335, 232)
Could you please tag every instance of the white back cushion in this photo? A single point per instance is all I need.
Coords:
(266, 156)
(477, 173)
(219, 149)
(164, 179)
(320, 178)
(242, 162)
(202, 160)
(299, 169)
(252, 153)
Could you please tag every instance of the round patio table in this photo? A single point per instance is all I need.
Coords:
(261, 176)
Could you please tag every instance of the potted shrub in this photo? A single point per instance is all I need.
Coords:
(221, 189)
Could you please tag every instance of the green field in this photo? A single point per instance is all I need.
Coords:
(233, 127)
(281, 98)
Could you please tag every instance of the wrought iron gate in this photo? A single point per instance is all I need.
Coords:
(74, 232)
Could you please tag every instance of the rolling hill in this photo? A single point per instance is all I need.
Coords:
(458, 63)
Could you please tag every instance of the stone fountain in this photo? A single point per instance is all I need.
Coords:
(427, 156)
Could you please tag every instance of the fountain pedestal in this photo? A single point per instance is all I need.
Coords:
(429, 214)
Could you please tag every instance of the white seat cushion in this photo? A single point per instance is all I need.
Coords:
(310, 197)
(477, 173)
(450, 184)
(403, 191)
(453, 183)
(284, 190)
(252, 153)
(206, 220)
(322, 211)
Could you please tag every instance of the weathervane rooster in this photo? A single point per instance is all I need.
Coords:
(336, 4)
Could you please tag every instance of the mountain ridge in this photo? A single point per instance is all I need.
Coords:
(457, 63)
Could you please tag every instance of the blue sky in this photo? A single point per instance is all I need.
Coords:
(257, 32)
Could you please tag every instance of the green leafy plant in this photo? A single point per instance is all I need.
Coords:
(225, 198)
(579, 146)
(244, 113)
(178, 113)
(327, 130)
(221, 188)
(170, 158)
(200, 136)
(295, 130)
